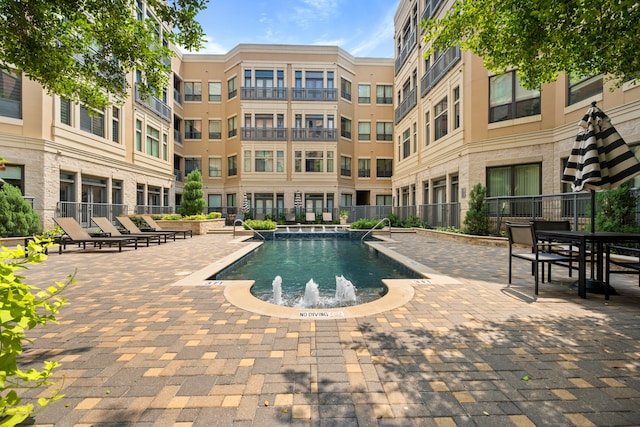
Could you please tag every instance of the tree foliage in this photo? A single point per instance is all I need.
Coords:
(23, 307)
(616, 209)
(17, 217)
(192, 202)
(83, 50)
(476, 220)
(544, 38)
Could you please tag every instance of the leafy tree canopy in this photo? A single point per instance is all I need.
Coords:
(544, 38)
(83, 49)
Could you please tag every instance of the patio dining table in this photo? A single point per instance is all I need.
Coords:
(597, 241)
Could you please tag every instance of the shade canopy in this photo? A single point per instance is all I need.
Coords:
(600, 159)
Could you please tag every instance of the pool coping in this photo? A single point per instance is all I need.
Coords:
(238, 292)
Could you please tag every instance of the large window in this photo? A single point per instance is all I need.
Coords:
(583, 88)
(364, 131)
(153, 142)
(440, 114)
(384, 94)
(514, 180)
(384, 168)
(384, 131)
(192, 129)
(10, 94)
(191, 164)
(215, 129)
(509, 100)
(215, 91)
(192, 91)
(364, 94)
(364, 168)
(92, 121)
(345, 127)
(345, 166)
(232, 165)
(345, 89)
(215, 167)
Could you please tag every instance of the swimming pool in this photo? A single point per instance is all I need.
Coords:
(297, 261)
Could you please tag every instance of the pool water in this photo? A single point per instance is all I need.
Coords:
(298, 261)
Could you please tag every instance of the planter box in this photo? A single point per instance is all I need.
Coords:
(196, 226)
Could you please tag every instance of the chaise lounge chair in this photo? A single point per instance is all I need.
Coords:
(105, 225)
(76, 234)
(149, 220)
(327, 217)
(133, 228)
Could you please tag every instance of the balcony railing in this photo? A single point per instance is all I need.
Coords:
(83, 212)
(264, 93)
(315, 134)
(314, 94)
(439, 69)
(153, 209)
(430, 9)
(154, 104)
(177, 96)
(178, 174)
(177, 136)
(410, 42)
(264, 134)
(407, 104)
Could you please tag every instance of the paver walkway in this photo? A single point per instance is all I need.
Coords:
(137, 351)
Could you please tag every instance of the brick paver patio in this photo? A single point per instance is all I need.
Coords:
(137, 351)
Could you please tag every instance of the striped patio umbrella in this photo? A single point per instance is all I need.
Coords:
(600, 159)
(245, 204)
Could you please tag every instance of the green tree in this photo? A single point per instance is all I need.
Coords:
(192, 202)
(83, 50)
(616, 209)
(23, 307)
(476, 220)
(17, 217)
(544, 38)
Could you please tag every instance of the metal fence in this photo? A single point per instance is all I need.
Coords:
(83, 212)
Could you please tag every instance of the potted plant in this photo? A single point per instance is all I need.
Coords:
(344, 216)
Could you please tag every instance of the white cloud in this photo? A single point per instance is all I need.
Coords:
(213, 48)
(381, 34)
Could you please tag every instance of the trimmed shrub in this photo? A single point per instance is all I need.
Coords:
(476, 221)
(192, 202)
(17, 217)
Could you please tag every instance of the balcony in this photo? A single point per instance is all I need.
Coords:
(314, 94)
(264, 134)
(430, 9)
(264, 93)
(439, 69)
(410, 42)
(315, 134)
(155, 105)
(407, 104)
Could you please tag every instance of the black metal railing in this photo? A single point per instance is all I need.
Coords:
(266, 134)
(264, 93)
(407, 104)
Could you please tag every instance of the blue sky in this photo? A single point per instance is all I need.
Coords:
(364, 28)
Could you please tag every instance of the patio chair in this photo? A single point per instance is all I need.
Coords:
(107, 226)
(537, 253)
(565, 249)
(327, 217)
(156, 227)
(75, 234)
(310, 217)
(133, 228)
(290, 218)
(626, 258)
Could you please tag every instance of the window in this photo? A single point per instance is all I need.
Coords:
(192, 129)
(65, 111)
(232, 125)
(384, 131)
(456, 107)
(314, 161)
(440, 122)
(406, 144)
(215, 91)
(165, 146)
(264, 161)
(345, 127)
(215, 129)
(232, 166)
(215, 167)
(177, 86)
(10, 94)
(247, 160)
(364, 94)
(581, 89)
(345, 166)
(384, 94)
(364, 131)
(92, 121)
(14, 175)
(509, 100)
(214, 202)
(515, 180)
(364, 168)
(138, 135)
(232, 88)
(345, 89)
(383, 200)
(192, 91)
(191, 164)
(384, 168)
(115, 124)
(279, 161)
(153, 142)
(427, 128)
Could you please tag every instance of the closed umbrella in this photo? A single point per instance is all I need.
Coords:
(600, 159)
(245, 204)
(297, 201)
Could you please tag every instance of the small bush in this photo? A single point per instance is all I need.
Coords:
(476, 221)
(256, 224)
(17, 217)
(366, 224)
(192, 202)
(171, 217)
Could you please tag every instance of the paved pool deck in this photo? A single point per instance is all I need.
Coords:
(139, 349)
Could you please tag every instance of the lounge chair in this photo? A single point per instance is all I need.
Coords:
(310, 217)
(155, 226)
(75, 234)
(105, 225)
(327, 217)
(132, 228)
(290, 218)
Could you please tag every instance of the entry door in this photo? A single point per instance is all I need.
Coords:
(94, 199)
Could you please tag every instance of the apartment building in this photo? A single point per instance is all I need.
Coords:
(457, 124)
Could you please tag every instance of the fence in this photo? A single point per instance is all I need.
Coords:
(83, 212)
